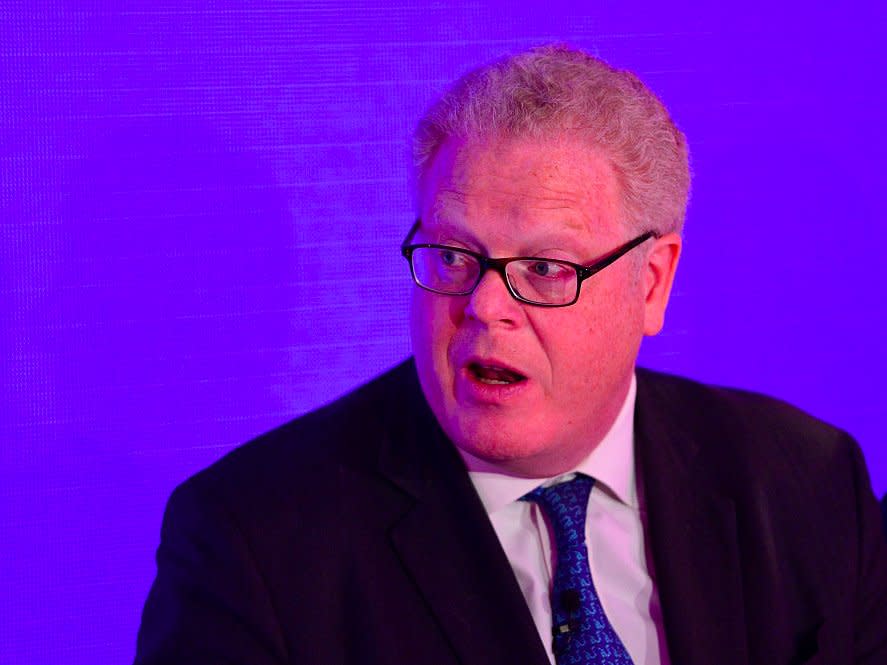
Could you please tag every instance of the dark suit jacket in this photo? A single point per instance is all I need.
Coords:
(884, 512)
(354, 535)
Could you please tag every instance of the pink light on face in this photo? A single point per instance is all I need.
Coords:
(550, 381)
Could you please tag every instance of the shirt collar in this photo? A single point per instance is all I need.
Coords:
(610, 463)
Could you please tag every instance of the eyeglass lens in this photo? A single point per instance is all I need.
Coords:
(454, 272)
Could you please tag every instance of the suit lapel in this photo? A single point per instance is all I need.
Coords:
(691, 528)
(449, 548)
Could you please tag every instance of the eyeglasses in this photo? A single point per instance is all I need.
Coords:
(455, 271)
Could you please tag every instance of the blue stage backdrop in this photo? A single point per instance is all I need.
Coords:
(201, 206)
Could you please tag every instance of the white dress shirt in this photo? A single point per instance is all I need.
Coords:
(613, 531)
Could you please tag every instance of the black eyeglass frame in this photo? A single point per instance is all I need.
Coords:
(499, 265)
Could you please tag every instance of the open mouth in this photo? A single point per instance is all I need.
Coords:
(494, 375)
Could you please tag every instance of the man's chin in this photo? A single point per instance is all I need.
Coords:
(517, 455)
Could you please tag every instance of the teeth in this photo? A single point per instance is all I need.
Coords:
(496, 376)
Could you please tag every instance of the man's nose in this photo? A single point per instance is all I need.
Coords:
(491, 302)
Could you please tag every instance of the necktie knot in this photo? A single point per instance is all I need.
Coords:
(565, 505)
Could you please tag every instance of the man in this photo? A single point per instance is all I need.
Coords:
(520, 493)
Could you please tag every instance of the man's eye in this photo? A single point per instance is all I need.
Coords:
(451, 258)
(548, 269)
(541, 268)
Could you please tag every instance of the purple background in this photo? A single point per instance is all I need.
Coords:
(199, 218)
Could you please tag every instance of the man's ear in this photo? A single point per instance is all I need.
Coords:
(658, 276)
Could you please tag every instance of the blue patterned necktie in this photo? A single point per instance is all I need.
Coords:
(581, 633)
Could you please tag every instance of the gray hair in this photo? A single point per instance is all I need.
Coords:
(557, 90)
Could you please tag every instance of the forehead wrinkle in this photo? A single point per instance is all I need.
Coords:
(531, 200)
(453, 204)
(477, 184)
(575, 190)
(579, 204)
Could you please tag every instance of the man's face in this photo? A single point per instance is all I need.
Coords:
(530, 389)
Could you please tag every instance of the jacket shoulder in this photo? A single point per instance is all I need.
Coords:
(289, 462)
(735, 411)
(744, 437)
